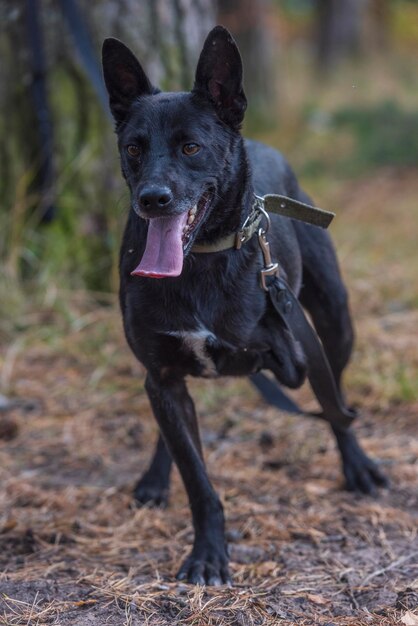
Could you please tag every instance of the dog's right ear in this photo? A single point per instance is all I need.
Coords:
(124, 77)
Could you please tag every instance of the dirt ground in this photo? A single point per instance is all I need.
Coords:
(74, 549)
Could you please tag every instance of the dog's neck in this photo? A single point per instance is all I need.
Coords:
(234, 200)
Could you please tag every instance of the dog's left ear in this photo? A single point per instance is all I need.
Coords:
(219, 76)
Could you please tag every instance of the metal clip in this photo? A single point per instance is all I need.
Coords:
(260, 206)
(241, 237)
(270, 268)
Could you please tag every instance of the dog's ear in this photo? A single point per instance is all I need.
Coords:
(124, 77)
(219, 76)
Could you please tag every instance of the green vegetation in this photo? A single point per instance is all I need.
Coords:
(385, 135)
(365, 138)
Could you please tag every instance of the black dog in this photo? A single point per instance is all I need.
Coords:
(192, 180)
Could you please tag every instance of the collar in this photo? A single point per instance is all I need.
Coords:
(262, 206)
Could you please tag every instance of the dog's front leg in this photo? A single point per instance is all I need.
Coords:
(153, 487)
(174, 411)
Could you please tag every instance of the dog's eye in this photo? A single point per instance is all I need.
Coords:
(133, 150)
(189, 149)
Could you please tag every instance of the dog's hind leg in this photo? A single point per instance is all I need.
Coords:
(152, 488)
(173, 409)
(324, 295)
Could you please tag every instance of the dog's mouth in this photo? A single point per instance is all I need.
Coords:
(168, 239)
(195, 217)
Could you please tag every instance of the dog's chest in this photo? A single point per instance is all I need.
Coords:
(195, 342)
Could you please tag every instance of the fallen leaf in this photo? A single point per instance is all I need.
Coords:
(317, 489)
(313, 597)
(266, 568)
(85, 602)
(410, 619)
(7, 525)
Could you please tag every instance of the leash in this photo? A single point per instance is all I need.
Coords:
(288, 308)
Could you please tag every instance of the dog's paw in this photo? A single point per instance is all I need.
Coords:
(207, 566)
(151, 494)
(362, 475)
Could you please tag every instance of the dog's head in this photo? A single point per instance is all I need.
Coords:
(175, 147)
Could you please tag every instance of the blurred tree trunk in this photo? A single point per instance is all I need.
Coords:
(338, 30)
(43, 137)
(167, 36)
(247, 21)
(380, 18)
(350, 27)
(25, 113)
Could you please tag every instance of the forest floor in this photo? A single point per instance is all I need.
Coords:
(79, 432)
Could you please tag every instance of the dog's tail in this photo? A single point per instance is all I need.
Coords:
(273, 394)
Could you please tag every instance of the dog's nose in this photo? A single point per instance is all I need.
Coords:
(155, 198)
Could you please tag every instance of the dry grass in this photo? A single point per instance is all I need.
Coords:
(73, 549)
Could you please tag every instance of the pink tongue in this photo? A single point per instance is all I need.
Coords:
(163, 254)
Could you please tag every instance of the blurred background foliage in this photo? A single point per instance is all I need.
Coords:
(332, 83)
